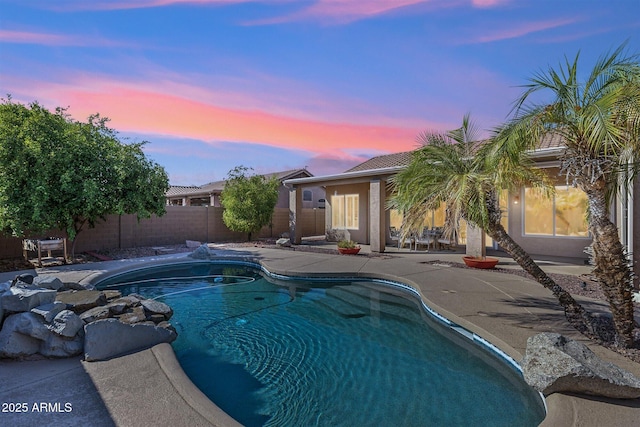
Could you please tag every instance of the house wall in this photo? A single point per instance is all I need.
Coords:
(179, 224)
(361, 235)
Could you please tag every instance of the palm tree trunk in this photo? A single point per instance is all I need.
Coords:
(612, 267)
(574, 312)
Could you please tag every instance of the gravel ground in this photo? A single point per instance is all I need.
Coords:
(583, 285)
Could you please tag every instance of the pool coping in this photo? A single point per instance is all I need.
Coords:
(486, 291)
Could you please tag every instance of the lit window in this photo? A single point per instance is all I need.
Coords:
(345, 211)
(561, 215)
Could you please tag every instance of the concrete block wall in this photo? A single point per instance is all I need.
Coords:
(179, 224)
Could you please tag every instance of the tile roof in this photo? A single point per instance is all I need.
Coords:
(384, 161)
(218, 186)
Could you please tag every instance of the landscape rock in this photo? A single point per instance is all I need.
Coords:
(554, 363)
(136, 315)
(117, 307)
(128, 301)
(112, 294)
(25, 297)
(108, 338)
(14, 344)
(66, 324)
(157, 307)
(203, 252)
(49, 311)
(23, 278)
(27, 324)
(4, 286)
(193, 244)
(59, 346)
(81, 301)
(283, 242)
(96, 313)
(48, 282)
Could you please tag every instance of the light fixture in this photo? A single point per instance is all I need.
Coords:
(516, 200)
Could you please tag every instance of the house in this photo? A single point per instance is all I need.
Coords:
(209, 194)
(356, 201)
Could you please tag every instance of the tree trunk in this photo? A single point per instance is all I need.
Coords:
(573, 310)
(612, 267)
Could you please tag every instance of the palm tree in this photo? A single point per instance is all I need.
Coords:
(467, 174)
(599, 121)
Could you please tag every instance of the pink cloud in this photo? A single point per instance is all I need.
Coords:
(132, 109)
(137, 4)
(48, 39)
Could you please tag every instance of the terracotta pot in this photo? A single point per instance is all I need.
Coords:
(474, 262)
(348, 251)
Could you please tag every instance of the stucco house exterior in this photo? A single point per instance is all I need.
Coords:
(209, 194)
(356, 200)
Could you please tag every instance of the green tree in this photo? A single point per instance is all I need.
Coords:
(58, 173)
(598, 118)
(248, 201)
(457, 169)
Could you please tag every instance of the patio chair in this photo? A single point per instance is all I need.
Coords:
(426, 238)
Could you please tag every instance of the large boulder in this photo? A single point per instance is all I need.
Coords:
(554, 363)
(66, 324)
(156, 307)
(25, 297)
(108, 338)
(13, 344)
(59, 346)
(203, 252)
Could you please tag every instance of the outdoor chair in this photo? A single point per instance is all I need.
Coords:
(426, 238)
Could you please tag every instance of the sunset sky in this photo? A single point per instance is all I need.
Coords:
(284, 84)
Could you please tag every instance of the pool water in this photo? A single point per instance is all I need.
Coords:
(329, 353)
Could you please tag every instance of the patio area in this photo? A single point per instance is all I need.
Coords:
(149, 388)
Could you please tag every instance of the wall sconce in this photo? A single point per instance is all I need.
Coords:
(516, 200)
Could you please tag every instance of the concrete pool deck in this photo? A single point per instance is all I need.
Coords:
(149, 388)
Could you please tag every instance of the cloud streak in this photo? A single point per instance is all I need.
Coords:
(521, 30)
(51, 39)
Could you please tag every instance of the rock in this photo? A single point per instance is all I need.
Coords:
(112, 294)
(95, 313)
(136, 315)
(128, 301)
(157, 307)
(48, 282)
(24, 278)
(117, 307)
(28, 324)
(108, 338)
(23, 298)
(156, 318)
(283, 242)
(4, 286)
(73, 286)
(59, 346)
(202, 252)
(49, 311)
(66, 324)
(553, 363)
(81, 301)
(13, 344)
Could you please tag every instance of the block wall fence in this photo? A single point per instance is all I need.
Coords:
(179, 224)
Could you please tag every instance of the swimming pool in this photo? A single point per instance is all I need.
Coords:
(274, 351)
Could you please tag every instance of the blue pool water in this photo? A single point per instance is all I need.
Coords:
(328, 353)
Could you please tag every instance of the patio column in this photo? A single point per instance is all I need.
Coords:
(476, 241)
(295, 212)
(377, 216)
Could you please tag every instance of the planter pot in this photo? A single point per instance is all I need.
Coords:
(348, 251)
(480, 262)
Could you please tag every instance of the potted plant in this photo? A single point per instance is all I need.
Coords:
(348, 247)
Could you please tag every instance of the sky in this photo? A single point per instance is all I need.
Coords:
(285, 84)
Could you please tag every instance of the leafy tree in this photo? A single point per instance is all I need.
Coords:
(248, 201)
(598, 119)
(58, 173)
(457, 169)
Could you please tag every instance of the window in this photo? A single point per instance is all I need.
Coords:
(564, 214)
(345, 211)
(307, 196)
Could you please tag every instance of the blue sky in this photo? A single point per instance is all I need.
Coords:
(284, 84)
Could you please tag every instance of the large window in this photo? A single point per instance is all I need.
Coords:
(345, 211)
(561, 215)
